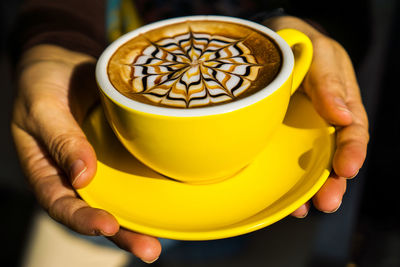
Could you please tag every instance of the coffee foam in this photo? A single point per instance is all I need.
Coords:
(194, 64)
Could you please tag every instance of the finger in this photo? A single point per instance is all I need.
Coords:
(302, 211)
(77, 215)
(326, 83)
(351, 150)
(329, 198)
(147, 248)
(352, 140)
(335, 94)
(56, 128)
(54, 195)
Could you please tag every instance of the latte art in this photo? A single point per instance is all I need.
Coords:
(194, 64)
(194, 69)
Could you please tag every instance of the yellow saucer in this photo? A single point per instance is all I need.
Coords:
(285, 175)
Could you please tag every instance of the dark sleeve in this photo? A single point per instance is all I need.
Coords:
(78, 25)
(347, 22)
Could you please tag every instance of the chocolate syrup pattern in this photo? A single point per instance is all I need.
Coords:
(194, 69)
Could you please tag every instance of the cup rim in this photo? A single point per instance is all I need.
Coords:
(112, 93)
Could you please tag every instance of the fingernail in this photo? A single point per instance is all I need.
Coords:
(150, 262)
(340, 104)
(351, 177)
(302, 216)
(333, 211)
(76, 170)
(100, 232)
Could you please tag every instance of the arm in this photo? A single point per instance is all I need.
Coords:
(75, 25)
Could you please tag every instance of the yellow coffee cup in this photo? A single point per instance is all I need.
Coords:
(205, 144)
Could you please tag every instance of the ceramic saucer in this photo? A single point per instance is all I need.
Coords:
(284, 176)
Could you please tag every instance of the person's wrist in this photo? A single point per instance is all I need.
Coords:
(52, 53)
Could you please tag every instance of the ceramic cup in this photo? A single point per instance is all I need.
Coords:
(206, 144)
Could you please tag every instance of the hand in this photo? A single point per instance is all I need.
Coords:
(56, 87)
(332, 87)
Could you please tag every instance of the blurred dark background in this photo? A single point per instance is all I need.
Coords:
(365, 231)
(16, 201)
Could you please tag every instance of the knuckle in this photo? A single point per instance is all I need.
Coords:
(43, 105)
(59, 203)
(44, 189)
(327, 86)
(36, 109)
(355, 134)
(61, 145)
(332, 81)
(322, 41)
(64, 209)
(361, 132)
(333, 84)
(326, 42)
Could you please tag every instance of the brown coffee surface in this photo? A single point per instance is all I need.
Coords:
(194, 64)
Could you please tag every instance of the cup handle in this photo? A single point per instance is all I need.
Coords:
(303, 53)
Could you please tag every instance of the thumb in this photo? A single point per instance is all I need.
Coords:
(66, 143)
(56, 88)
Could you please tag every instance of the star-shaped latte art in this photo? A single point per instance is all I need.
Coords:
(194, 69)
